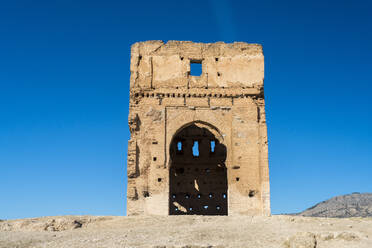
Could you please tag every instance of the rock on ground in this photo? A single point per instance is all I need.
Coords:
(186, 231)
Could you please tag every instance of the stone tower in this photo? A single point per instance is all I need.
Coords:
(198, 132)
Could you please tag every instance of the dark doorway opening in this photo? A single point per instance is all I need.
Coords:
(197, 174)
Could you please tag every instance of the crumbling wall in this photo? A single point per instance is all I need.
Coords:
(165, 98)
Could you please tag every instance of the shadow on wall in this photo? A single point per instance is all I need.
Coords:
(198, 174)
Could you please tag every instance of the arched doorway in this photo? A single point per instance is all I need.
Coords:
(197, 174)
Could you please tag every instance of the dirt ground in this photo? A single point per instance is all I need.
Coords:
(186, 231)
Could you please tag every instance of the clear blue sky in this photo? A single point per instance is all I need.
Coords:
(64, 83)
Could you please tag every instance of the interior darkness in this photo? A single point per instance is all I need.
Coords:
(198, 175)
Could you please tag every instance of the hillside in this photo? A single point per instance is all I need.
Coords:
(345, 206)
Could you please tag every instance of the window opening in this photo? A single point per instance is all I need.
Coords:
(213, 145)
(195, 149)
(195, 68)
(179, 146)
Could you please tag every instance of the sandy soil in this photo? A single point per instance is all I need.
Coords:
(186, 231)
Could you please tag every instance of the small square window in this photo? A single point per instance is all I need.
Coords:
(195, 68)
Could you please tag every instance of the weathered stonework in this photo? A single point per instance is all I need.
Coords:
(198, 143)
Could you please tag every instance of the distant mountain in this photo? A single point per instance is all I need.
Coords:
(352, 205)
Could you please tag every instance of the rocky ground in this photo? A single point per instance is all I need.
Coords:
(187, 231)
(344, 206)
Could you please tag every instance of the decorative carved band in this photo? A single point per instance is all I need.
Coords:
(241, 93)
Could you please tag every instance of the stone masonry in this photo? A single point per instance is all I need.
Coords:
(198, 138)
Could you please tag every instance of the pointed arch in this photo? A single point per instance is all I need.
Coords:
(197, 181)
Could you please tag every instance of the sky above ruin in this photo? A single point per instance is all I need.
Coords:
(64, 94)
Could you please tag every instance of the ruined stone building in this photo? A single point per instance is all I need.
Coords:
(198, 132)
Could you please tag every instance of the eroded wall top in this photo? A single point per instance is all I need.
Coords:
(156, 65)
